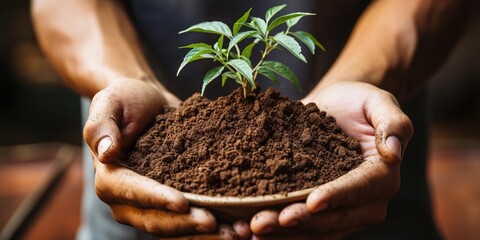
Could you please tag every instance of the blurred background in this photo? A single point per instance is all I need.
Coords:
(40, 135)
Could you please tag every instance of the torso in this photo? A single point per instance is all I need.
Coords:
(159, 22)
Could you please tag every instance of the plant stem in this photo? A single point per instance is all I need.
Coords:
(267, 50)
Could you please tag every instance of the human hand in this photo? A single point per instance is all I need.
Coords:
(239, 230)
(118, 114)
(360, 197)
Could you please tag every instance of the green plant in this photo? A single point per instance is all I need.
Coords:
(235, 62)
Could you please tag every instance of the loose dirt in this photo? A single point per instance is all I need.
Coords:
(235, 146)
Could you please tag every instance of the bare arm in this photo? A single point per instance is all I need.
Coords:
(94, 48)
(397, 45)
(394, 47)
(90, 43)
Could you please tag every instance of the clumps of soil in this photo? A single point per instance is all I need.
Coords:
(235, 146)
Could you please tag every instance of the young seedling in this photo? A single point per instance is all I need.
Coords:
(235, 62)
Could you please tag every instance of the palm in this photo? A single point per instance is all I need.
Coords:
(347, 104)
(120, 113)
(133, 104)
(358, 198)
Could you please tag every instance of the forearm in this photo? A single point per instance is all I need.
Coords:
(396, 44)
(90, 43)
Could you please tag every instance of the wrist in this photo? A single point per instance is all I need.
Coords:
(380, 73)
(105, 78)
(86, 80)
(90, 79)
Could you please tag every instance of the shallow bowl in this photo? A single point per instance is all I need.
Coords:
(230, 209)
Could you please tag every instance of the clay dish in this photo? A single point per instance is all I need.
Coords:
(230, 209)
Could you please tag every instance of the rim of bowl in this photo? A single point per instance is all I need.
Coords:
(264, 200)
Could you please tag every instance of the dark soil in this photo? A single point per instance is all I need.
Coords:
(236, 146)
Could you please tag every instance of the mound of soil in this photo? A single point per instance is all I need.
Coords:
(236, 146)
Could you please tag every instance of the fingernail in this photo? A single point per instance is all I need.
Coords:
(394, 145)
(320, 207)
(103, 145)
(203, 219)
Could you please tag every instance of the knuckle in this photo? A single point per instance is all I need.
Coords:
(89, 130)
(395, 187)
(386, 95)
(379, 214)
(101, 190)
(99, 96)
(117, 216)
(378, 218)
(152, 228)
(408, 127)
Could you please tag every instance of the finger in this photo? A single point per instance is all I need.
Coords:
(225, 232)
(242, 229)
(284, 235)
(373, 179)
(305, 235)
(163, 223)
(393, 129)
(101, 131)
(264, 222)
(116, 184)
(296, 222)
(334, 221)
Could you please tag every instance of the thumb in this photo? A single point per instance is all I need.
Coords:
(101, 131)
(393, 129)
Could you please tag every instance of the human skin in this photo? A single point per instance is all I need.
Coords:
(392, 51)
(94, 48)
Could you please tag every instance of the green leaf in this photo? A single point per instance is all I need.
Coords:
(239, 37)
(282, 70)
(244, 69)
(292, 22)
(290, 44)
(211, 75)
(227, 75)
(303, 35)
(249, 62)
(233, 76)
(272, 11)
(197, 45)
(284, 18)
(220, 42)
(214, 27)
(268, 73)
(247, 51)
(218, 46)
(239, 23)
(195, 54)
(260, 25)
